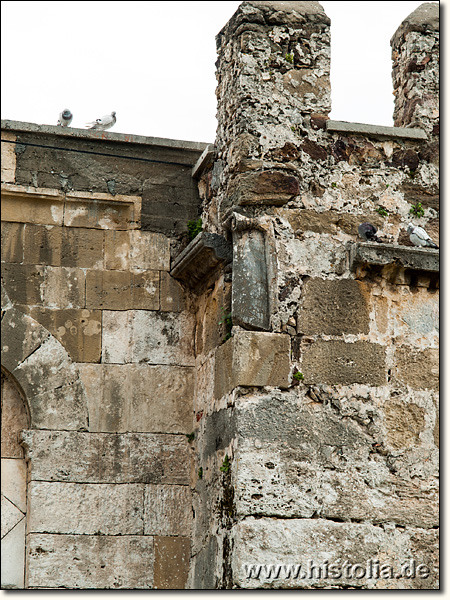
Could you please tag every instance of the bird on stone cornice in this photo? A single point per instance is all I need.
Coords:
(368, 232)
(65, 118)
(105, 122)
(419, 237)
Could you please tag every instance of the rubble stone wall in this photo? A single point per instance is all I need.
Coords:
(319, 439)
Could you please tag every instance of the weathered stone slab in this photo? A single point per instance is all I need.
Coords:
(122, 290)
(145, 398)
(108, 458)
(265, 187)
(137, 250)
(337, 362)
(102, 211)
(420, 370)
(171, 562)
(173, 297)
(11, 516)
(252, 359)
(167, 510)
(376, 130)
(26, 204)
(12, 242)
(85, 508)
(148, 336)
(331, 555)
(250, 290)
(300, 460)
(78, 330)
(334, 307)
(21, 336)
(90, 562)
(197, 265)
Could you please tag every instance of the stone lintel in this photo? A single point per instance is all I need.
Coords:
(199, 261)
(416, 259)
(376, 130)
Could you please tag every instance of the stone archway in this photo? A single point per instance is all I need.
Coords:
(45, 372)
(15, 418)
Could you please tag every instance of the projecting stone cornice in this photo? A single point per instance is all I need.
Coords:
(414, 259)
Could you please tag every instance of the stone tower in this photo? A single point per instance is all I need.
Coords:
(317, 443)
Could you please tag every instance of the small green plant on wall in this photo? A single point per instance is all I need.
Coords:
(289, 57)
(226, 464)
(382, 211)
(194, 228)
(228, 322)
(417, 210)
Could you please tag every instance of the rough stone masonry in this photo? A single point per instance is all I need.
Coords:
(183, 414)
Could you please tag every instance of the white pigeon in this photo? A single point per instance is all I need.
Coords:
(106, 122)
(65, 118)
(419, 237)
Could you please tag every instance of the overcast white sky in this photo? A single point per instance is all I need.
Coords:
(154, 63)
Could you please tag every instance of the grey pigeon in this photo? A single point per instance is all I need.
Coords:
(65, 118)
(106, 122)
(419, 237)
(368, 232)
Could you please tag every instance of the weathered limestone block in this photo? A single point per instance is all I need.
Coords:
(145, 398)
(102, 211)
(11, 516)
(8, 157)
(336, 361)
(332, 555)
(122, 290)
(148, 336)
(334, 307)
(173, 297)
(12, 242)
(137, 250)
(419, 370)
(26, 204)
(420, 259)
(21, 336)
(252, 359)
(265, 187)
(39, 285)
(90, 562)
(107, 458)
(167, 510)
(78, 330)
(91, 509)
(299, 459)
(172, 556)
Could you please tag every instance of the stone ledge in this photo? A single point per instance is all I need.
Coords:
(198, 263)
(416, 259)
(376, 130)
(206, 160)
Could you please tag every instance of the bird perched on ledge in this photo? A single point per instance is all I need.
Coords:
(106, 122)
(419, 237)
(368, 232)
(65, 118)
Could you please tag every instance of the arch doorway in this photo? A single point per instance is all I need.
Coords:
(14, 419)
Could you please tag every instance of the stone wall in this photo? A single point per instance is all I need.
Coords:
(266, 394)
(319, 439)
(99, 337)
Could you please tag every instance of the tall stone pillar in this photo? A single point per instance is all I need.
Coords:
(415, 56)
